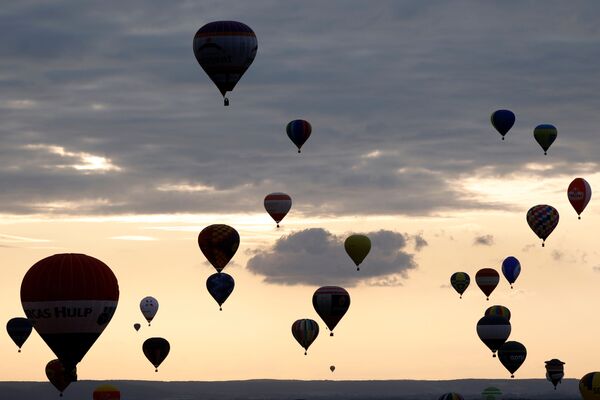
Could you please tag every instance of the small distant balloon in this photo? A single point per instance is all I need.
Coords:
(332, 368)
(579, 193)
(219, 243)
(107, 392)
(511, 268)
(487, 279)
(498, 311)
(512, 355)
(305, 331)
(503, 120)
(19, 330)
(149, 308)
(137, 326)
(493, 331)
(331, 303)
(460, 282)
(545, 135)
(555, 371)
(220, 286)
(542, 220)
(357, 247)
(156, 350)
(278, 205)
(298, 131)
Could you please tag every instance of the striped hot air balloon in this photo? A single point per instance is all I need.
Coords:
(278, 205)
(487, 279)
(493, 332)
(498, 311)
(305, 332)
(298, 131)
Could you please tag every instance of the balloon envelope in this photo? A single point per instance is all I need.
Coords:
(70, 299)
(305, 332)
(512, 355)
(58, 376)
(137, 326)
(487, 279)
(451, 396)
(219, 243)
(555, 371)
(225, 50)
(589, 386)
(503, 120)
(149, 308)
(331, 303)
(107, 392)
(498, 311)
(357, 247)
(19, 330)
(542, 220)
(493, 331)
(332, 368)
(460, 282)
(511, 268)
(545, 135)
(298, 131)
(220, 286)
(278, 205)
(156, 350)
(579, 193)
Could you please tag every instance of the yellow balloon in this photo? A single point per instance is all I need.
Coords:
(589, 386)
(357, 247)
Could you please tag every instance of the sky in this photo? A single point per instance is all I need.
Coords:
(114, 143)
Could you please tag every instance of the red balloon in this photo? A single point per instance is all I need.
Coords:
(487, 279)
(70, 299)
(579, 193)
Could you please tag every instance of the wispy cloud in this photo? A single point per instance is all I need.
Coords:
(82, 161)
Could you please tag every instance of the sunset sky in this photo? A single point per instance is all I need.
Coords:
(114, 143)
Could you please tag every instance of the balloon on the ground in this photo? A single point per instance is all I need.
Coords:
(589, 386)
(491, 393)
(305, 332)
(19, 330)
(451, 396)
(357, 247)
(542, 220)
(493, 331)
(106, 392)
(331, 303)
(70, 299)
(498, 311)
(460, 282)
(555, 371)
(156, 350)
(219, 243)
(58, 376)
(149, 308)
(579, 193)
(220, 286)
(137, 326)
(545, 135)
(298, 131)
(278, 205)
(487, 279)
(225, 50)
(502, 120)
(511, 268)
(512, 355)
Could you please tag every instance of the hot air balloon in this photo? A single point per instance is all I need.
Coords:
(487, 279)
(220, 286)
(70, 299)
(451, 396)
(589, 386)
(498, 311)
(58, 376)
(149, 308)
(512, 355)
(278, 205)
(225, 50)
(305, 332)
(460, 282)
(298, 131)
(555, 371)
(579, 193)
(332, 368)
(107, 392)
(137, 326)
(357, 247)
(491, 393)
(503, 120)
(19, 330)
(331, 303)
(511, 268)
(545, 135)
(219, 244)
(542, 220)
(493, 332)
(156, 349)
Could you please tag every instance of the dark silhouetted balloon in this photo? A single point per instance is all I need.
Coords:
(156, 350)
(579, 193)
(460, 282)
(545, 135)
(70, 299)
(487, 279)
(503, 120)
(58, 376)
(220, 286)
(219, 244)
(305, 332)
(542, 220)
(298, 131)
(137, 326)
(493, 331)
(555, 371)
(277, 206)
(357, 247)
(511, 268)
(332, 368)
(589, 386)
(225, 50)
(512, 355)
(331, 303)
(19, 330)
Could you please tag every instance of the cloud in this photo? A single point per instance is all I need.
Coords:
(317, 257)
(420, 242)
(596, 268)
(483, 240)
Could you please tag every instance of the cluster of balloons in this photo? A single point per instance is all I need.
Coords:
(487, 279)
(503, 121)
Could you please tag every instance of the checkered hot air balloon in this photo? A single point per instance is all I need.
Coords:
(542, 220)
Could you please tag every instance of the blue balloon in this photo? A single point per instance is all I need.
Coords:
(511, 268)
(220, 286)
(503, 120)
